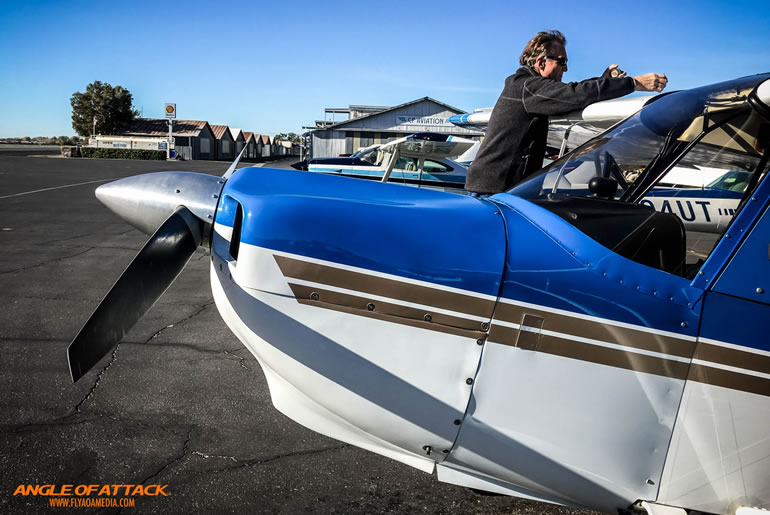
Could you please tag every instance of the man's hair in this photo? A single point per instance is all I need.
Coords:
(541, 44)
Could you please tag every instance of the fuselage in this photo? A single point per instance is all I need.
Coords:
(466, 358)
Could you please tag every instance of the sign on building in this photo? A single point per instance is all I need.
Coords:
(170, 110)
(427, 121)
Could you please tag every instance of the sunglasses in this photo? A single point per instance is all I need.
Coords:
(562, 61)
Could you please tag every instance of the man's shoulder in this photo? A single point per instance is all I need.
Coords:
(520, 76)
(524, 72)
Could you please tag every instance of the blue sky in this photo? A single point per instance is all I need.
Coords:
(273, 67)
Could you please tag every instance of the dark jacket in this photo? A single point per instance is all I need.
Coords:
(514, 145)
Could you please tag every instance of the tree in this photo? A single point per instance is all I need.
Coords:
(112, 108)
(293, 137)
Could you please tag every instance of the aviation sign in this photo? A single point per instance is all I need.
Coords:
(170, 110)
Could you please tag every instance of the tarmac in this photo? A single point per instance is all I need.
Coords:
(180, 402)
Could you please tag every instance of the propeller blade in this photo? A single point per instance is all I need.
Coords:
(230, 170)
(143, 282)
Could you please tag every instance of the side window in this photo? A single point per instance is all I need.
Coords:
(706, 186)
(408, 164)
(430, 166)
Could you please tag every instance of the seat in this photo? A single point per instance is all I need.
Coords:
(659, 243)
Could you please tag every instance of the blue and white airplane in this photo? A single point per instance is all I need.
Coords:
(555, 342)
(421, 159)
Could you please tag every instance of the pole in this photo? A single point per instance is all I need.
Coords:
(301, 144)
(168, 147)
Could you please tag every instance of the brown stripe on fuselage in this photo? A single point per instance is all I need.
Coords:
(382, 287)
(423, 324)
(363, 304)
(564, 347)
(733, 357)
(729, 379)
(598, 331)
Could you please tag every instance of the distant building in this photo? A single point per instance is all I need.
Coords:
(264, 145)
(251, 145)
(225, 142)
(239, 139)
(193, 139)
(369, 125)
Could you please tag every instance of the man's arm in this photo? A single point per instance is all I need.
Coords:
(543, 96)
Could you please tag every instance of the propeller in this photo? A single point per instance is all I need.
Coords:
(177, 208)
(148, 276)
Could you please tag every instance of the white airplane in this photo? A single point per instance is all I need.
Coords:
(420, 159)
(547, 343)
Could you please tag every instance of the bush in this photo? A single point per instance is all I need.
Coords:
(122, 153)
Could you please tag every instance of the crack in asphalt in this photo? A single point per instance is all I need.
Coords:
(173, 460)
(116, 235)
(63, 239)
(43, 263)
(41, 426)
(98, 379)
(200, 310)
(115, 352)
(261, 461)
(170, 462)
(76, 418)
(239, 358)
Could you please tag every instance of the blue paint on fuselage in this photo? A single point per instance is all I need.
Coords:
(408, 232)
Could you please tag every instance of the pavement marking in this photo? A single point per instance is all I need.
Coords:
(59, 187)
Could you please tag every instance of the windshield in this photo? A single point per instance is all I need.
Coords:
(369, 154)
(638, 147)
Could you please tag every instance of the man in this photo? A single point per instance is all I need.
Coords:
(515, 141)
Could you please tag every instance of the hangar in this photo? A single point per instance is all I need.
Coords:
(369, 125)
(194, 139)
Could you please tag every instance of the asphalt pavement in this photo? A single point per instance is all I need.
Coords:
(180, 402)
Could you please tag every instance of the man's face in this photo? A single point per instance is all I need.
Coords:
(550, 65)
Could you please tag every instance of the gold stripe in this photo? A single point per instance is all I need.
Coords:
(363, 304)
(733, 357)
(564, 347)
(612, 357)
(397, 320)
(729, 379)
(599, 331)
(382, 287)
(558, 346)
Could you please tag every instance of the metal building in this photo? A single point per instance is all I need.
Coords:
(251, 145)
(225, 142)
(193, 139)
(369, 125)
(239, 139)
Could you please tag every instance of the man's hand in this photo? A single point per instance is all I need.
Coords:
(613, 71)
(650, 82)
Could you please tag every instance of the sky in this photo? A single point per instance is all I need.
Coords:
(272, 67)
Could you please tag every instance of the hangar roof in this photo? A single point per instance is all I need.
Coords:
(159, 127)
(400, 106)
(220, 130)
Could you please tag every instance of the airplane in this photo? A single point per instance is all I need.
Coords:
(420, 159)
(555, 342)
